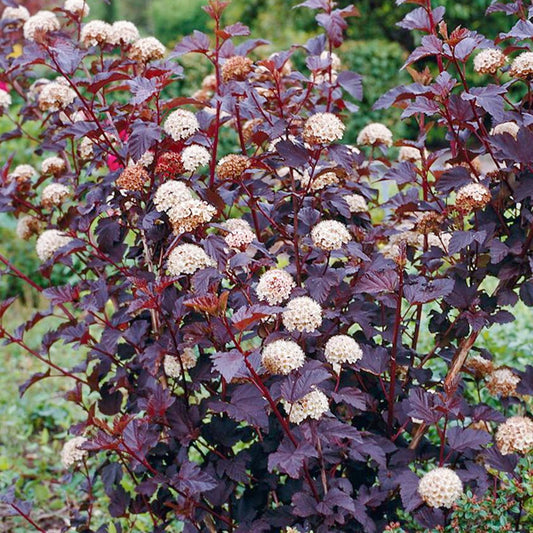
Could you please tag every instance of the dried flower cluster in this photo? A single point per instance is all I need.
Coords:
(53, 165)
(232, 166)
(133, 178)
(502, 382)
(236, 68)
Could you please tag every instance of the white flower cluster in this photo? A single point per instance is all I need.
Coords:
(53, 165)
(323, 128)
(170, 194)
(240, 234)
(319, 181)
(181, 124)
(282, 357)
(49, 242)
(184, 212)
(342, 349)
(95, 32)
(330, 235)
(515, 435)
(512, 128)
(409, 153)
(54, 194)
(313, 405)
(27, 226)
(189, 214)
(5, 99)
(123, 32)
(334, 59)
(77, 7)
(439, 240)
(172, 364)
(22, 173)
(471, 197)
(55, 96)
(503, 382)
(86, 148)
(522, 66)
(187, 259)
(147, 49)
(375, 133)
(275, 286)
(41, 22)
(440, 487)
(302, 314)
(194, 157)
(488, 61)
(19, 13)
(72, 453)
(356, 203)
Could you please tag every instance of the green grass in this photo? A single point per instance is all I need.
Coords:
(33, 428)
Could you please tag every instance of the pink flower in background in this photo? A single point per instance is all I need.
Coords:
(112, 162)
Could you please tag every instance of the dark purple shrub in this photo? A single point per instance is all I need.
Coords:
(238, 397)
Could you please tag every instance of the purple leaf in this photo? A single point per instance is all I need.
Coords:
(461, 440)
(238, 29)
(299, 383)
(143, 137)
(192, 480)
(197, 42)
(376, 282)
(422, 291)
(142, 89)
(228, 364)
(289, 459)
(352, 83)
(418, 19)
(431, 46)
(422, 405)
(351, 396)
